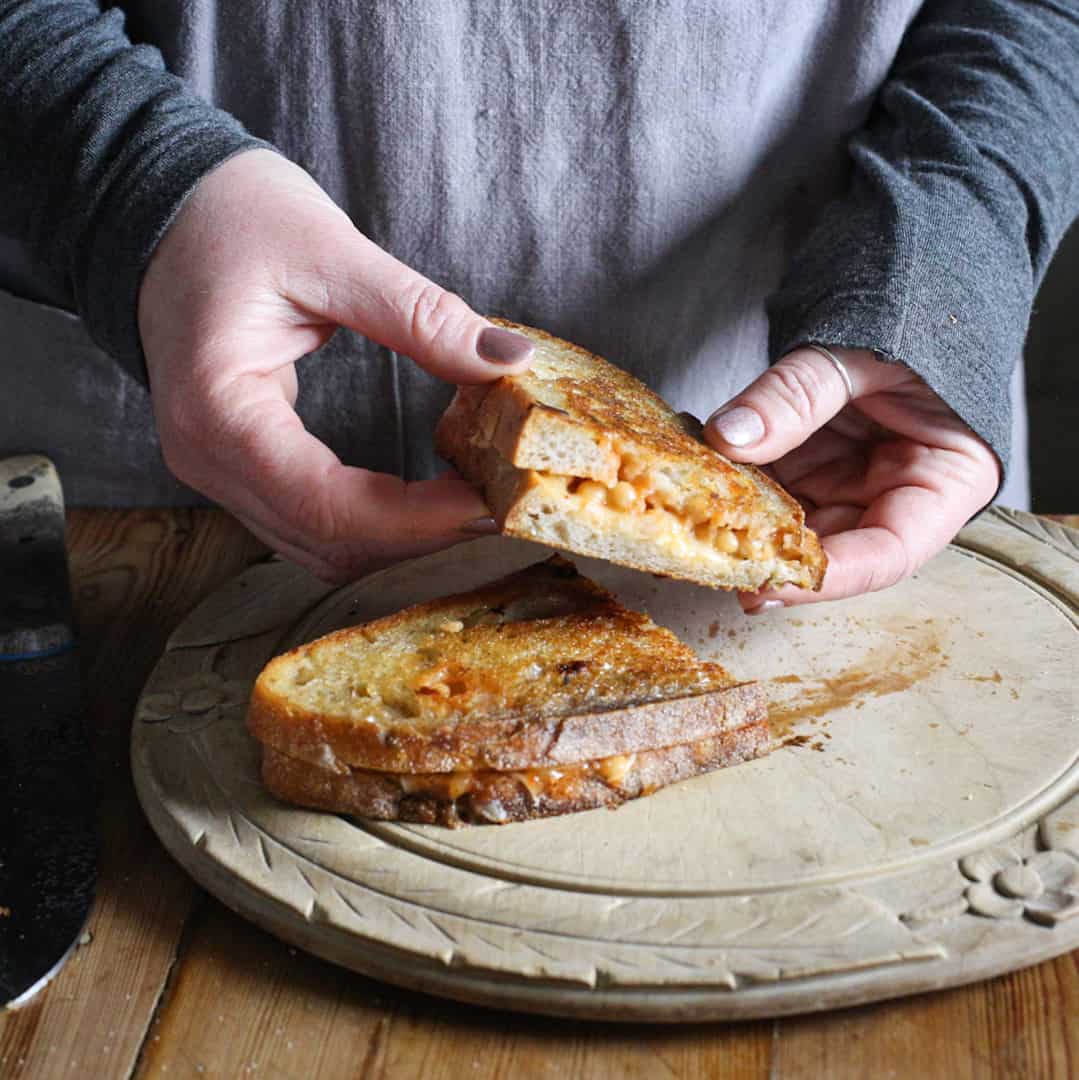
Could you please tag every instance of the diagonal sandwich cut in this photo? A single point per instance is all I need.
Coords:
(578, 454)
(534, 695)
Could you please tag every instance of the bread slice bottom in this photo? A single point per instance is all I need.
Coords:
(486, 797)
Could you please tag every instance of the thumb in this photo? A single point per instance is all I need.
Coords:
(794, 398)
(363, 287)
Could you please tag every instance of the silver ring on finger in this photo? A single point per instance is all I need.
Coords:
(838, 364)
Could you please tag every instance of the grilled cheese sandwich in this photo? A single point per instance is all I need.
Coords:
(576, 453)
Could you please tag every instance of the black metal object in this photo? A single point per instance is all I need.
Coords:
(48, 848)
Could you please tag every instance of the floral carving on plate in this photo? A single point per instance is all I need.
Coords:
(1044, 887)
(194, 703)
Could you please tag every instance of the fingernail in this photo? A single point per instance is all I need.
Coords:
(483, 526)
(503, 346)
(742, 426)
(768, 605)
(691, 424)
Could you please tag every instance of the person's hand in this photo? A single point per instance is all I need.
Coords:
(259, 268)
(887, 477)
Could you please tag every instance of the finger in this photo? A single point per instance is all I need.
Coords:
(396, 521)
(853, 423)
(821, 448)
(841, 480)
(366, 289)
(834, 519)
(859, 561)
(347, 558)
(901, 463)
(896, 535)
(340, 562)
(259, 460)
(791, 400)
(298, 555)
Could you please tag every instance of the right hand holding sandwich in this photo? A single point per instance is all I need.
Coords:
(259, 268)
(888, 477)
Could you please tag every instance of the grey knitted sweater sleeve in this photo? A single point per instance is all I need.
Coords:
(963, 182)
(99, 145)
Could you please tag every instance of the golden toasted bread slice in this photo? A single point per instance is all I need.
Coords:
(578, 454)
(541, 668)
(485, 797)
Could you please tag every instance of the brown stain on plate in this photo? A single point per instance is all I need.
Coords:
(889, 669)
(996, 677)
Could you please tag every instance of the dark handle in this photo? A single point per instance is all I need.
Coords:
(35, 598)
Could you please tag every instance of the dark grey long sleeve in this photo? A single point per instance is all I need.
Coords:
(964, 180)
(99, 145)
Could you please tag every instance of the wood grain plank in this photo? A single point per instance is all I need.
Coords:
(240, 1003)
(1025, 1024)
(135, 575)
(244, 1004)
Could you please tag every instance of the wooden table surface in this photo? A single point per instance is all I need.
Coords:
(169, 982)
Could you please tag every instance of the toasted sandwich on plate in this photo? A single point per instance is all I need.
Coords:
(535, 695)
(578, 454)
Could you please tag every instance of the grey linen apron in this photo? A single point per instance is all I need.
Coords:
(632, 176)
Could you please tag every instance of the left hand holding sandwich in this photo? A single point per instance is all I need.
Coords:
(887, 471)
(258, 269)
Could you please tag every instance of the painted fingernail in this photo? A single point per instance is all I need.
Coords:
(768, 605)
(742, 426)
(503, 346)
(483, 526)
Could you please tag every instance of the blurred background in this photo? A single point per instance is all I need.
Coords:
(1052, 369)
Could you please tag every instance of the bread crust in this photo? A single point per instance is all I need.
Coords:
(566, 420)
(520, 742)
(504, 797)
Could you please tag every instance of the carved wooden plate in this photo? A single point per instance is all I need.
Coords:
(917, 828)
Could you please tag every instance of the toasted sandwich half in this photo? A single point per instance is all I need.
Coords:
(537, 694)
(578, 454)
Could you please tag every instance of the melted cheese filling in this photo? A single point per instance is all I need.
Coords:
(699, 525)
(451, 786)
